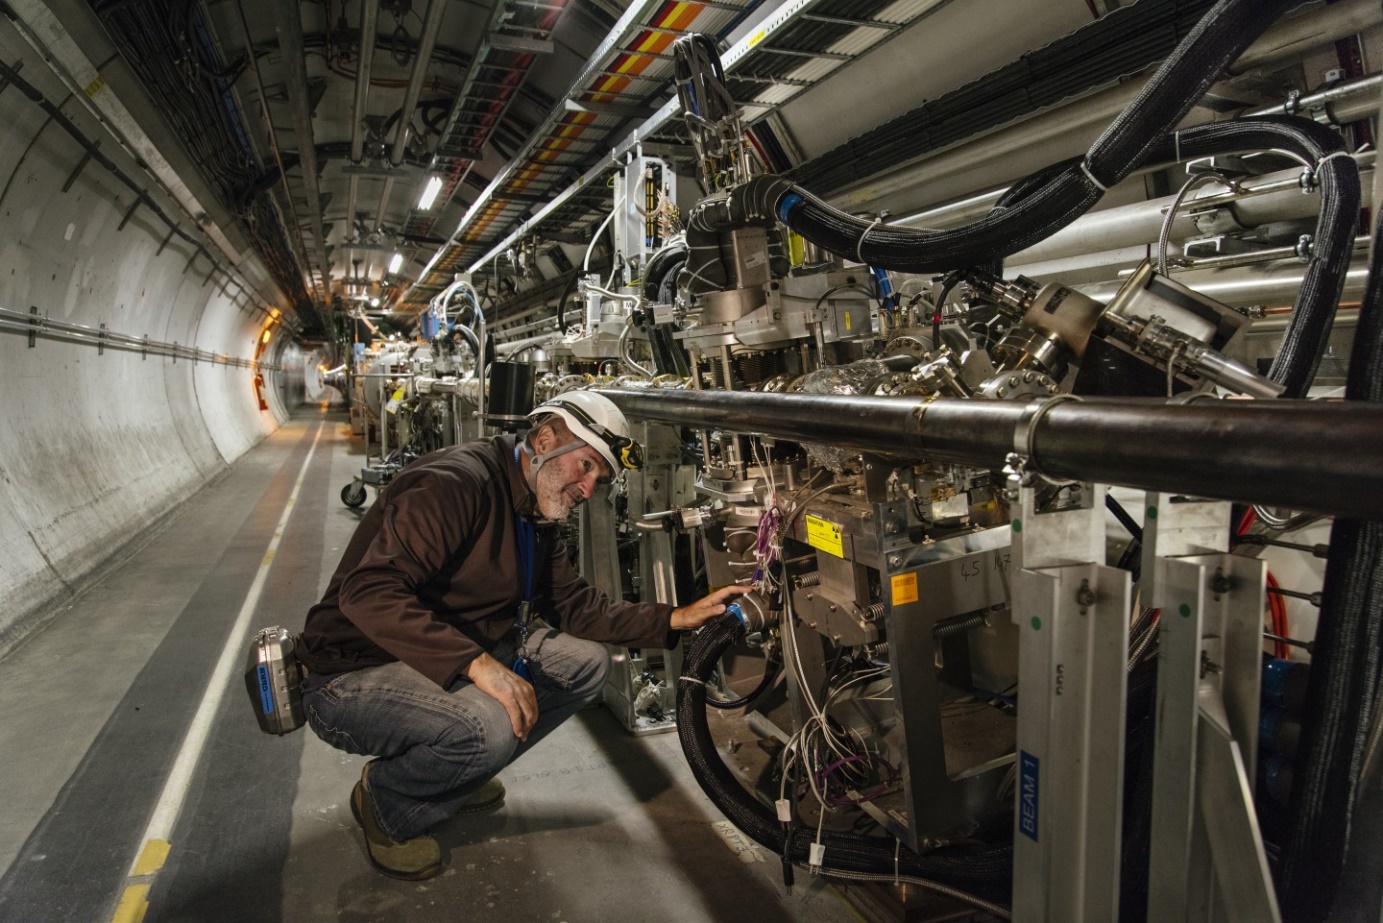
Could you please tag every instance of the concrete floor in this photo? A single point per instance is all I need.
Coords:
(94, 710)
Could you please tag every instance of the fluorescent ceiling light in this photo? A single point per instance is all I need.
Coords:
(434, 186)
(395, 263)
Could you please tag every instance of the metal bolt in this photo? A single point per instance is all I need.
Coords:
(810, 597)
(1220, 583)
(1085, 596)
(891, 527)
(1208, 665)
(895, 560)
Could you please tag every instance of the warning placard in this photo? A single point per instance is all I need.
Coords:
(825, 536)
(904, 588)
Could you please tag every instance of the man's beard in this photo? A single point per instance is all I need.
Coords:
(556, 500)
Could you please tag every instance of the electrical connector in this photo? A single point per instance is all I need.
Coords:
(784, 810)
(816, 854)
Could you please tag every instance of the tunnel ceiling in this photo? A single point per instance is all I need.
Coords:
(503, 106)
(317, 127)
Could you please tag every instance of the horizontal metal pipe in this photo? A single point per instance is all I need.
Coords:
(1341, 103)
(1264, 283)
(1306, 455)
(1140, 223)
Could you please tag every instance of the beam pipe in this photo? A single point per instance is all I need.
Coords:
(1304, 455)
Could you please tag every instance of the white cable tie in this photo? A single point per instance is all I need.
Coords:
(1176, 141)
(860, 246)
(692, 679)
(1085, 168)
(897, 847)
(1329, 156)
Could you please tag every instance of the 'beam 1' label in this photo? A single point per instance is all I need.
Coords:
(1028, 778)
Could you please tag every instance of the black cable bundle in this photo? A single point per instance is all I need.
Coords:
(748, 204)
(1220, 37)
(658, 266)
(1341, 708)
(1307, 334)
(986, 870)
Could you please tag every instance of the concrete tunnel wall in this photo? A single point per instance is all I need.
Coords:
(96, 446)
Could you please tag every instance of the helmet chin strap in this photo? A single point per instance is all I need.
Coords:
(536, 461)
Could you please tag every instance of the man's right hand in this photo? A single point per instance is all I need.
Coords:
(511, 690)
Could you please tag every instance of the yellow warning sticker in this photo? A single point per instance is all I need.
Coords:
(847, 320)
(758, 37)
(904, 588)
(824, 536)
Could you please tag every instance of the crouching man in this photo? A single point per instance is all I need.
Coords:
(425, 652)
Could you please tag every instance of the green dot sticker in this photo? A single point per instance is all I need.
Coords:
(1036, 623)
(1185, 611)
(1017, 525)
(1152, 512)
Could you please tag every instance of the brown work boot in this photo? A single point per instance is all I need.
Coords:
(486, 798)
(411, 860)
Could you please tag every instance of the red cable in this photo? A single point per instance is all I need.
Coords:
(1277, 610)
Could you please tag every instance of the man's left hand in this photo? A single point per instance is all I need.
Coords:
(705, 608)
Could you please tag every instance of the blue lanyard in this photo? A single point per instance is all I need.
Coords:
(525, 537)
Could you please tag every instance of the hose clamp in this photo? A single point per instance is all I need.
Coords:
(1022, 462)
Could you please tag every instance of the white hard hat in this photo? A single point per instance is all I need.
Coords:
(595, 420)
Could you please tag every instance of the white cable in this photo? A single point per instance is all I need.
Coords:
(860, 245)
(586, 266)
(1085, 168)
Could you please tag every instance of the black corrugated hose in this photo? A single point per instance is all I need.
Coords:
(1341, 708)
(984, 870)
(1336, 177)
(658, 266)
(1220, 37)
(772, 667)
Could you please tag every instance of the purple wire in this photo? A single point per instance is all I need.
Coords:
(823, 780)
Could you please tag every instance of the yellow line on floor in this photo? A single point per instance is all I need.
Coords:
(151, 858)
(134, 903)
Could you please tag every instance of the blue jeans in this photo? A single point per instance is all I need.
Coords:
(436, 747)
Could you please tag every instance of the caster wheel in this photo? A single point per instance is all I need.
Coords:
(353, 494)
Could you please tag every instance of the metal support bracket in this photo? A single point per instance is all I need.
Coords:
(81, 165)
(134, 207)
(17, 66)
(1072, 613)
(1207, 861)
(166, 241)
